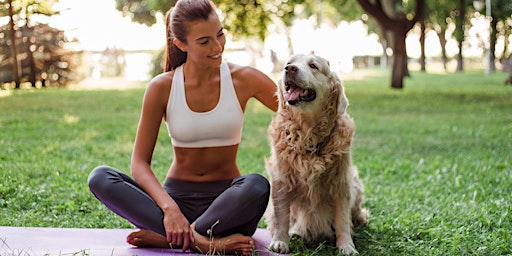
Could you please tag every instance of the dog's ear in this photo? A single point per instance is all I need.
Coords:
(328, 63)
(343, 101)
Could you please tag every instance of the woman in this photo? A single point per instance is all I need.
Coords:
(202, 100)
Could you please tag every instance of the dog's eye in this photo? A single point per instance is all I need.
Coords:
(313, 66)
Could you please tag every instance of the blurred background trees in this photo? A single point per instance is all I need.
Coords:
(392, 20)
(33, 52)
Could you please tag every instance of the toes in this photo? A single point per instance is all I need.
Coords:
(279, 247)
(347, 250)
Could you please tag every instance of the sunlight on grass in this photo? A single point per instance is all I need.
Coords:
(5, 93)
(69, 119)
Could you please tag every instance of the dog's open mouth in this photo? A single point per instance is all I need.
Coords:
(295, 94)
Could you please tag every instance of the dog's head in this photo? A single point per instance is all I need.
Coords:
(307, 83)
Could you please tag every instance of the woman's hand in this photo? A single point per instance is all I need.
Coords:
(178, 230)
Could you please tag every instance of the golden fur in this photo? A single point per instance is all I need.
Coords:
(315, 187)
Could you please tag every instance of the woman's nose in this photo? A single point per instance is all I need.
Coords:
(217, 45)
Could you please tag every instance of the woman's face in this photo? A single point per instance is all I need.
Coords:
(205, 41)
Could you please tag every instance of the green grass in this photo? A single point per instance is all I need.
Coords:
(435, 159)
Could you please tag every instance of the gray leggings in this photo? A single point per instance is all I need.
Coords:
(235, 205)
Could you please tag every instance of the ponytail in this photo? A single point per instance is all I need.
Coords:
(174, 56)
(176, 20)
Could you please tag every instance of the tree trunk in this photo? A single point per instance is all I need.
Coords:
(384, 58)
(16, 65)
(460, 59)
(422, 45)
(459, 31)
(509, 67)
(399, 59)
(442, 41)
(399, 25)
(30, 56)
(492, 47)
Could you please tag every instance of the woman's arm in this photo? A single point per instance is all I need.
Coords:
(251, 82)
(153, 109)
(266, 90)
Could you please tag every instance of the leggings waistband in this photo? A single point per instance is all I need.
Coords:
(181, 186)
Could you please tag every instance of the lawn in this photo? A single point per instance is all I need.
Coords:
(435, 159)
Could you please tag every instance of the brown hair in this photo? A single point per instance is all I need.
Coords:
(176, 19)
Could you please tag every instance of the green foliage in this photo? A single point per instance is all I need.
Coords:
(29, 7)
(248, 18)
(434, 158)
(437, 12)
(347, 9)
(140, 11)
(245, 18)
(157, 62)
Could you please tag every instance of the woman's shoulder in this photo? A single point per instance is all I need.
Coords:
(247, 74)
(243, 71)
(160, 83)
(162, 80)
(159, 87)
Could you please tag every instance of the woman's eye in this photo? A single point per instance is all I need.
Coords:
(313, 66)
(204, 42)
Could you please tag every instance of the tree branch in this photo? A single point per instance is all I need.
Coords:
(419, 13)
(376, 11)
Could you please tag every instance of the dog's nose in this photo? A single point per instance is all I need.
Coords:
(291, 68)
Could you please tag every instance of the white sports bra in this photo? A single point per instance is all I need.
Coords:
(221, 126)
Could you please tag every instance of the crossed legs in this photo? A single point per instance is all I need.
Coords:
(224, 225)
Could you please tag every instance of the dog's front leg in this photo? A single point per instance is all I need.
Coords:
(281, 216)
(342, 223)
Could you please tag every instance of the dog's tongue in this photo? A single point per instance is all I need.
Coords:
(292, 94)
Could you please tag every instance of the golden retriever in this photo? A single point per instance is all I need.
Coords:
(316, 191)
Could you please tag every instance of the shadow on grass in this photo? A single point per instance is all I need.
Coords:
(367, 240)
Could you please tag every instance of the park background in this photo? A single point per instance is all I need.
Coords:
(434, 154)
(90, 40)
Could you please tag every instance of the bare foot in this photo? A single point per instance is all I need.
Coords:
(233, 244)
(147, 238)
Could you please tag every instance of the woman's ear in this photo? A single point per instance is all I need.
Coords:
(179, 44)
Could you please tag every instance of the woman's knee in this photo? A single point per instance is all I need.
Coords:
(100, 177)
(256, 185)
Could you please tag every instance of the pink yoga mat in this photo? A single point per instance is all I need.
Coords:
(28, 241)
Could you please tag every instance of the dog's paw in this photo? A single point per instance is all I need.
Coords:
(279, 247)
(362, 218)
(347, 249)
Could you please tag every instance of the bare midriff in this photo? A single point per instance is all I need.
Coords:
(204, 164)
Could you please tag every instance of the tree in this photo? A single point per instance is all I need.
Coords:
(42, 57)
(460, 28)
(39, 49)
(438, 15)
(15, 64)
(398, 25)
(255, 14)
(501, 11)
(143, 12)
(243, 19)
(423, 29)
